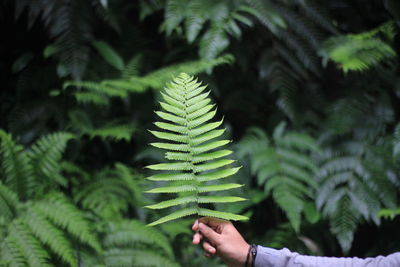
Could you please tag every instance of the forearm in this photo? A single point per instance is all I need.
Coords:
(268, 257)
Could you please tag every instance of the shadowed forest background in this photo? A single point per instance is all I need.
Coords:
(309, 92)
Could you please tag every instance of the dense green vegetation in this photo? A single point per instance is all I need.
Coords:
(310, 95)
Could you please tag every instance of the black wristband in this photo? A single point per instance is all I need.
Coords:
(253, 251)
(251, 256)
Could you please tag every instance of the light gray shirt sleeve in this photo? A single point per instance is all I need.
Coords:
(269, 257)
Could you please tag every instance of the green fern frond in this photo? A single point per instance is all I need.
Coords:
(43, 229)
(193, 151)
(130, 233)
(132, 181)
(220, 214)
(72, 170)
(268, 15)
(114, 132)
(217, 187)
(297, 67)
(11, 254)
(191, 199)
(64, 214)
(50, 235)
(300, 36)
(157, 79)
(99, 88)
(132, 67)
(304, 53)
(211, 176)
(215, 39)
(102, 10)
(111, 192)
(174, 14)
(389, 214)
(344, 223)
(284, 168)
(302, 27)
(99, 93)
(213, 42)
(216, 20)
(352, 189)
(176, 215)
(348, 111)
(92, 98)
(22, 240)
(16, 167)
(131, 243)
(358, 52)
(219, 199)
(317, 12)
(173, 202)
(8, 203)
(284, 82)
(109, 54)
(45, 155)
(67, 26)
(387, 29)
(195, 21)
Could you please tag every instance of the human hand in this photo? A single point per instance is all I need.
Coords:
(221, 238)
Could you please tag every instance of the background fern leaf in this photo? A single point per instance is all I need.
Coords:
(362, 51)
(62, 213)
(131, 243)
(284, 168)
(29, 246)
(8, 203)
(17, 167)
(45, 155)
(49, 234)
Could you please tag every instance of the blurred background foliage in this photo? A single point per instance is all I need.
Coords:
(308, 89)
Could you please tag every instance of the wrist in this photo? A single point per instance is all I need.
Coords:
(238, 259)
(245, 255)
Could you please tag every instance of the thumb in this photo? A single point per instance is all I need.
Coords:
(209, 233)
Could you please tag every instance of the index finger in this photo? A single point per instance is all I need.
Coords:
(213, 222)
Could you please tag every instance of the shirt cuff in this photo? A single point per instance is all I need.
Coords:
(268, 257)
